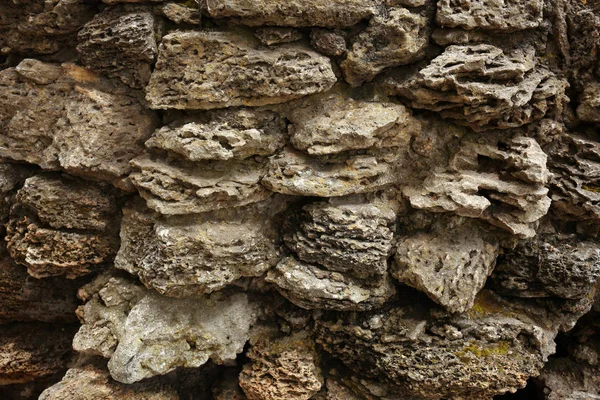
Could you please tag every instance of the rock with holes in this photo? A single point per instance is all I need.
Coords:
(68, 118)
(216, 69)
(277, 35)
(329, 42)
(203, 164)
(336, 122)
(482, 87)
(473, 184)
(397, 37)
(327, 13)
(180, 13)
(505, 16)
(589, 106)
(450, 263)
(120, 42)
(428, 353)
(312, 286)
(192, 255)
(282, 368)
(145, 334)
(62, 225)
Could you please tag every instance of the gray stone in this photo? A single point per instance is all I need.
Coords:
(589, 106)
(192, 72)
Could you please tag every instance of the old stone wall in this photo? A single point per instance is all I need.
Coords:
(299, 199)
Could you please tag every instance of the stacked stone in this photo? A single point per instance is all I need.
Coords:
(298, 199)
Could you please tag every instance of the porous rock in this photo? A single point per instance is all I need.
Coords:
(589, 107)
(66, 117)
(189, 255)
(216, 69)
(282, 368)
(277, 35)
(329, 42)
(120, 42)
(145, 334)
(450, 263)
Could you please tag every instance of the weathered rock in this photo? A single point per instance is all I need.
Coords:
(65, 117)
(450, 263)
(296, 173)
(282, 368)
(24, 298)
(330, 13)
(120, 42)
(312, 287)
(146, 334)
(277, 35)
(62, 225)
(188, 255)
(39, 27)
(508, 16)
(500, 180)
(215, 69)
(329, 42)
(334, 122)
(550, 265)
(589, 107)
(180, 13)
(12, 177)
(481, 87)
(33, 351)
(431, 354)
(93, 382)
(351, 235)
(397, 37)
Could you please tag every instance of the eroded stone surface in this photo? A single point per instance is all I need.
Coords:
(146, 334)
(329, 13)
(482, 87)
(450, 263)
(508, 16)
(194, 255)
(62, 225)
(216, 69)
(66, 117)
(120, 42)
(589, 108)
(282, 368)
(277, 35)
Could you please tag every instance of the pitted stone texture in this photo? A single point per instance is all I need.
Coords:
(282, 368)
(313, 287)
(335, 122)
(332, 43)
(24, 298)
(499, 180)
(506, 16)
(296, 173)
(277, 35)
(450, 263)
(216, 69)
(146, 334)
(327, 13)
(180, 13)
(225, 135)
(66, 117)
(395, 38)
(120, 42)
(481, 87)
(188, 255)
(93, 382)
(351, 235)
(33, 351)
(550, 265)
(432, 354)
(589, 107)
(62, 226)
(33, 26)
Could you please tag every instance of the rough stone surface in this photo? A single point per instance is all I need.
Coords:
(482, 87)
(146, 334)
(329, 42)
(62, 226)
(180, 13)
(277, 35)
(331, 13)
(120, 42)
(65, 117)
(508, 16)
(452, 267)
(589, 108)
(216, 69)
(282, 368)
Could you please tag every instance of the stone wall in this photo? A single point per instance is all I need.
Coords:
(299, 199)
